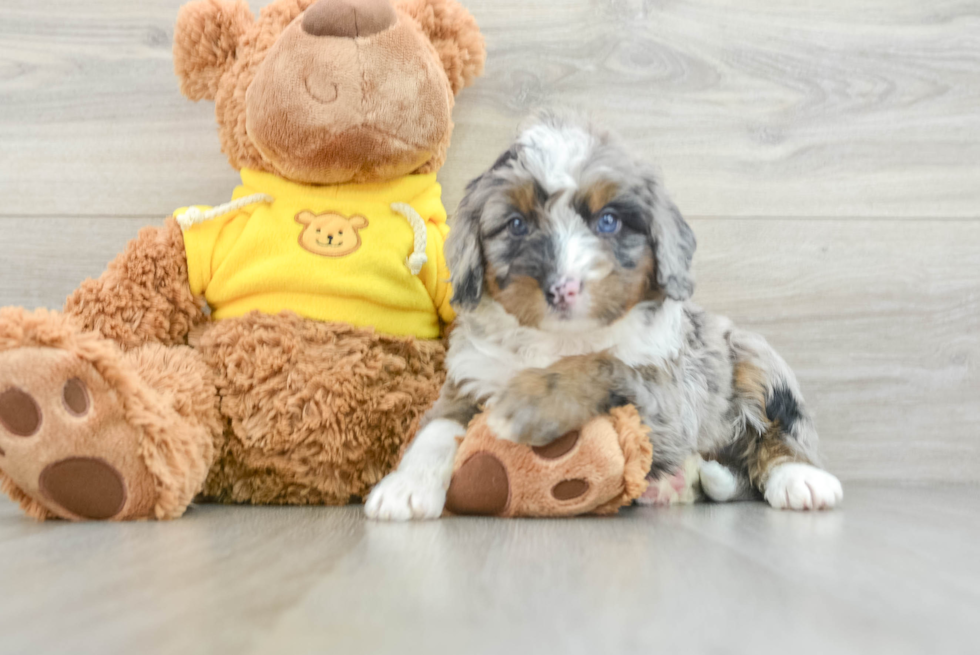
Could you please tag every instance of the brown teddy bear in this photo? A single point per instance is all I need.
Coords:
(282, 347)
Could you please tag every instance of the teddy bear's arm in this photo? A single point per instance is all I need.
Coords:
(144, 294)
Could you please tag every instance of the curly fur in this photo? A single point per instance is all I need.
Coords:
(317, 412)
(206, 43)
(143, 296)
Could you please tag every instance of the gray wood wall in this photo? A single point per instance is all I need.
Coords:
(827, 154)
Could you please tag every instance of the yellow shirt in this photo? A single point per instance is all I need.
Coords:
(330, 253)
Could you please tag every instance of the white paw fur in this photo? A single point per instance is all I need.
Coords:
(717, 481)
(406, 496)
(417, 490)
(802, 486)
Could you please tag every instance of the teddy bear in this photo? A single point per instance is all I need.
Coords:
(279, 348)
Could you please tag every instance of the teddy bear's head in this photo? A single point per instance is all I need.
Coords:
(330, 91)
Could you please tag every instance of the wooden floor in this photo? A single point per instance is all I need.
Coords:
(827, 155)
(895, 571)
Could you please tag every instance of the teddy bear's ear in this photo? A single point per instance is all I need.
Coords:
(305, 217)
(205, 42)
(454, 33)
(358, 222)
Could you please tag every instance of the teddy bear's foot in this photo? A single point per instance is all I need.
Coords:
(596, 470)
(82, 437)
(65, 441)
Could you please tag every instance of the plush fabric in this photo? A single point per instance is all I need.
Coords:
(136, 398)
(332, 253)
(317, 412)
(152, 414)
(596, 470)
(323, 109)
(143, 295)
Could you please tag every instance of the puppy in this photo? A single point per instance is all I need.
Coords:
(572, 282)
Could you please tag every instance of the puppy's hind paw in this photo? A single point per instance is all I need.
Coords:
(802, 487)
(718, 482)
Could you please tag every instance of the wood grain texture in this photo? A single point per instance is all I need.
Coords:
(880, 319)
(45, 259)
(836, 108)
(893, 571)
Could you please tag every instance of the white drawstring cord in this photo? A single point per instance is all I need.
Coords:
(418, 258)
(193, 215)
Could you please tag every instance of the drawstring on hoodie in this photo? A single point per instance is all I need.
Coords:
(193, 215)
(418, 258)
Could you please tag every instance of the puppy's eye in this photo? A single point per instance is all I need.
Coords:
(608, 223)
(318, 230)
(517, 226)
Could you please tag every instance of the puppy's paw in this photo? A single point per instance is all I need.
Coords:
(405, 496)
(519, 421)
(717, 481)
(541, 405)
(802, 486)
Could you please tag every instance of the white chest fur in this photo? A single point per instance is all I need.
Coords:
(488, 346)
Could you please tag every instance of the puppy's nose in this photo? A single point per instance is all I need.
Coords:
(565, 292)
(348, 18)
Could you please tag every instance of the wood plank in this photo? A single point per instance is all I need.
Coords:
(736, 578)
(752, 109)
(45, 259)
(881, 320)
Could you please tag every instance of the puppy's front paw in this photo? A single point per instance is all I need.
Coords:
(514, 420)
(405, 496)
(802, 486)
(537, 408)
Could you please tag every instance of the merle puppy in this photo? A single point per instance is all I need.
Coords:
(572, 278)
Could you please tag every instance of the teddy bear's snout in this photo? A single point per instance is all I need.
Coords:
(348, 18)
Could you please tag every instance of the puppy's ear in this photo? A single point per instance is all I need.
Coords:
(673, 244)
(455, 35)
(206, 39)
(464, 247)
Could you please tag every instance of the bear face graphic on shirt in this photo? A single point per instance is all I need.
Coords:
(330, 234)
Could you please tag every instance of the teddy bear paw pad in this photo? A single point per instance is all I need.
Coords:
(479, 487)
(64, 439)
(19, 413)
(559, 447)
(570, 489)
(85, 486)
